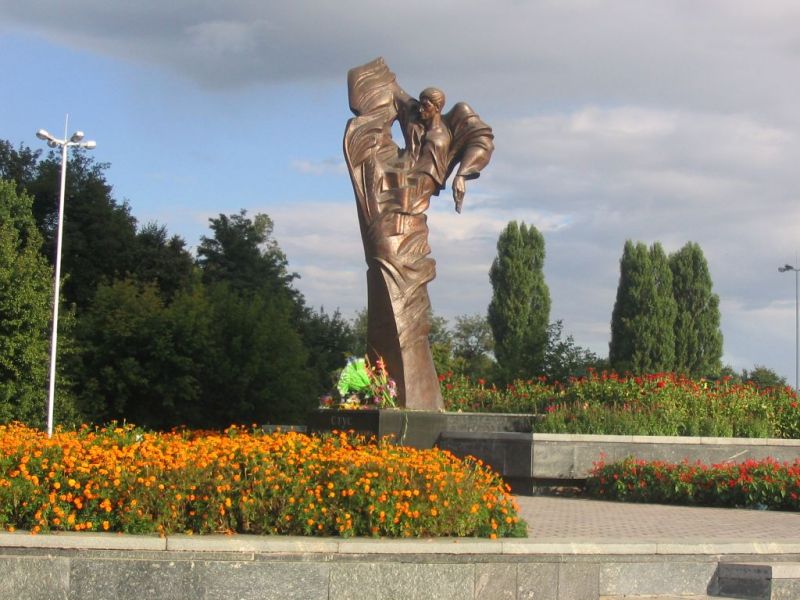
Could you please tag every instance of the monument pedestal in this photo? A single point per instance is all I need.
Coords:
(415, 428)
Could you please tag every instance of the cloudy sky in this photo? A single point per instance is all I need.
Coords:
(668, 121)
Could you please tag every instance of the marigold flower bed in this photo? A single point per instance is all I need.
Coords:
(127, 480)
(752, 484)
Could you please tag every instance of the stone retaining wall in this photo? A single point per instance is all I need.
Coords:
(114, 567)
(524, 458)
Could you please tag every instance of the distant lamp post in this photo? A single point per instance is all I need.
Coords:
(74, 140)
(784, 269)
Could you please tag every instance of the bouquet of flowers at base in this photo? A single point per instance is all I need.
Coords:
(363, 385)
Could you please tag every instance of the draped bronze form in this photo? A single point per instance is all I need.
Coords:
(393, 188)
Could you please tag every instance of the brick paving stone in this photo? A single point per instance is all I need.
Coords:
(576, 519)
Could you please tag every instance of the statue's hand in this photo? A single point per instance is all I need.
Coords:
(459, 187)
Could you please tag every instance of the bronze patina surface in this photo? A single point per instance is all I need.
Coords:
(393, 188)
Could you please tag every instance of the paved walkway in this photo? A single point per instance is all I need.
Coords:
(576, 520)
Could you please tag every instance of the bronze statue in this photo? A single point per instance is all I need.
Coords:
(393, 188)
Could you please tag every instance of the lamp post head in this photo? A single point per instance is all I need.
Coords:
(91, 144)
(42, 134)
(76, 137)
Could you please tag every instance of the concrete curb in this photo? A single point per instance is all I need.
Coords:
(664, 439)
(82, 541)
(430, 546)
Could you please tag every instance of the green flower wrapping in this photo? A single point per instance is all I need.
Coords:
(354, 378)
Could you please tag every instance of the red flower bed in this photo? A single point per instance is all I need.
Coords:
(654, 404)
(765, 484)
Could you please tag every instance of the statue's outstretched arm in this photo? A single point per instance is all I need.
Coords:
(459, 189)
(473, 146)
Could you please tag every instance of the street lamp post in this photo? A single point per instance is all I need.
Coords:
(53, 142)
(796, 270)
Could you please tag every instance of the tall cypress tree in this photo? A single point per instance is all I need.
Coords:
(643, 320)
(519, 312)
(698, 339)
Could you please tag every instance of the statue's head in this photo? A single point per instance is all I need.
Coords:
(431, 101)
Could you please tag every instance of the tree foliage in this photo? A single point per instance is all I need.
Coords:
(698, 338)
(473, 346)
(441, 342)
(25, 292)
(161, 339)
(99, 233)
(643, 319)
(256, 369)
(136, 363)
(329, 339)
(519, 311)
(564, 358)
(163, 260)
(243, 254)
(18, 165)
(764, 377)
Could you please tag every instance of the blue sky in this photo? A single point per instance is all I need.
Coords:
(662, 121)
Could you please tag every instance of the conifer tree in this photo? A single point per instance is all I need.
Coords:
(519, 311)
(643, 320)
(698, 339)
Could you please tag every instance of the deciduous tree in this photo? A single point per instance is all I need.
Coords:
(243, 254)
(564, 358)
(25, 292)
(163, 260)
(473, 344)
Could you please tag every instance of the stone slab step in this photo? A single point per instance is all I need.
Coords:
(673, 597)
(760, 581)
(704, 597)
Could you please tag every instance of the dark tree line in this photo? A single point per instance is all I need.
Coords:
(150, 333)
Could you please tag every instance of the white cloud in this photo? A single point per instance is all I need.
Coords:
(725, 55)
(227, 37)
(329, 166)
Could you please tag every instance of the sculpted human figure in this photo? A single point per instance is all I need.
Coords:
(393, 188)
